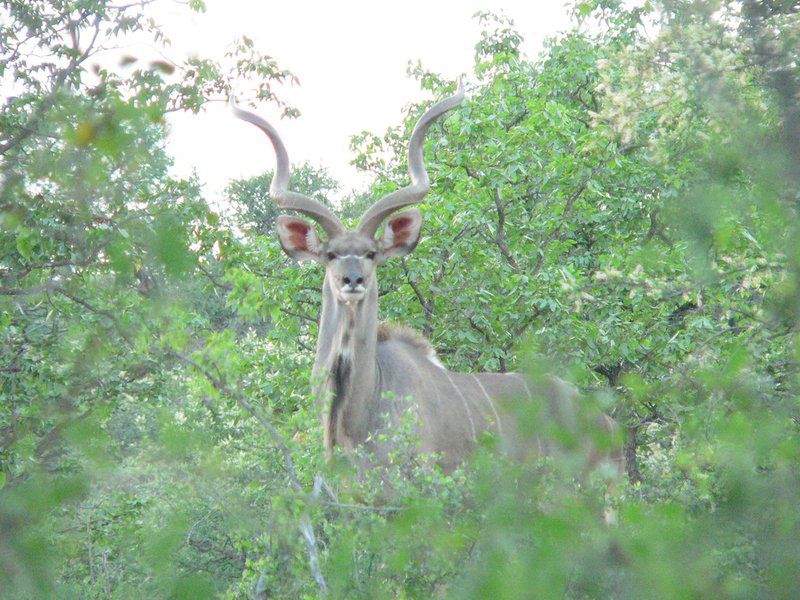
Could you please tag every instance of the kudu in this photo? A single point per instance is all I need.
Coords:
(367, 374)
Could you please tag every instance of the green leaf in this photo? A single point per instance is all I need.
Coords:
(26, 242)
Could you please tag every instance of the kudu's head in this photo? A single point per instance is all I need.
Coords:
(351, 257)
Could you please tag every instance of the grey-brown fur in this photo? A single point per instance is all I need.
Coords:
(393, 369)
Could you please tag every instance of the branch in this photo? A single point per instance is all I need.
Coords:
(9, 275)
(567, 209)
(362, 507)
(515, 334)
(298, 315)
(426, 304)
(214, 279)
(499, 238)
(99, 311)
(321, 485)
(23, 291)
(516, 120)
(417, 292)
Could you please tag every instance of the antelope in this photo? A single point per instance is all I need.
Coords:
(367, 374)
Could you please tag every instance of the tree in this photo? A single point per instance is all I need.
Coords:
(620, 210)
(102, 262)
(253, 210)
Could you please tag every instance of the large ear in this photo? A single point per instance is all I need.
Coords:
(400, 233)
(298, 238)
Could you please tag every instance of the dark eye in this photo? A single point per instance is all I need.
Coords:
(331, 256)
(370, 255)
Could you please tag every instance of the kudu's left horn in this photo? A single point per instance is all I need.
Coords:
(420, 184)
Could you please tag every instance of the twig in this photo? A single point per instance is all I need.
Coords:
(49, 100)
(305, 526)
(95, 310)
(321, 485)
(213, 278)
(423, 301)
(567, 209)
(363, 507)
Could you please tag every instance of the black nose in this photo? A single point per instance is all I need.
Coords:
(347, 280)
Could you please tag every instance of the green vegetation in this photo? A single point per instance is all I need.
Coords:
(627, 202)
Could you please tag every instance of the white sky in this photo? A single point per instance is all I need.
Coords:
(350, 57)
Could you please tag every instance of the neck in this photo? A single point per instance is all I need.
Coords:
(346, 367)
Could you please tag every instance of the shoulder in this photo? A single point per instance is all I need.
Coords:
(404, 334)
(395, 332)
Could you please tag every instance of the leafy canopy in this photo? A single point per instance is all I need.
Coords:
(620, 209)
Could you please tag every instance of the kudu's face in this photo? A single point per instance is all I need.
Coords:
(351, 257)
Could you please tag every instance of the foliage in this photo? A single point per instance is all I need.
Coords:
(621, 209)
(252, 209)
(102, 288)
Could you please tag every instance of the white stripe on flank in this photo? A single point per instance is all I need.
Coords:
(489, 400)
(539, 445)
(524, 383)
(435, 359)
(432, 382)
(466, 407)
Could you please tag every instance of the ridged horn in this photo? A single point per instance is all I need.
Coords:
(420, 184)
(278, 189)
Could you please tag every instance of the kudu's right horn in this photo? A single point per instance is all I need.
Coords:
(279, 188)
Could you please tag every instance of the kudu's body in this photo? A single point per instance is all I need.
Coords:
(370, 375)
(367, 375)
